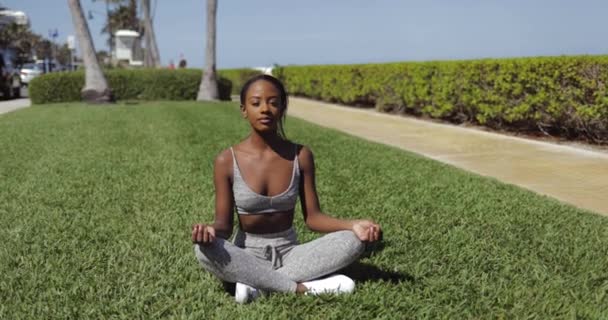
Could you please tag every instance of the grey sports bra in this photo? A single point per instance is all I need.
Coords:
(249, 202)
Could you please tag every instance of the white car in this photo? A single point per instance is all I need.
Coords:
(30, 71)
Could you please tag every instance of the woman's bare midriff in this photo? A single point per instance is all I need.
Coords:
(266, 222)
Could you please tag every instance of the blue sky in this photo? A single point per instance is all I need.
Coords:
(263, 32)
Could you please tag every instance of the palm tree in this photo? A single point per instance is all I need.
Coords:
(22, 39)
(208, 89)
(152, 55)
(96, 88)
(122, 17)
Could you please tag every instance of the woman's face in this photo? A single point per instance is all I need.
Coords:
(263, 106)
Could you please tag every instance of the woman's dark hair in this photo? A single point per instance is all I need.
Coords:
(282, 96)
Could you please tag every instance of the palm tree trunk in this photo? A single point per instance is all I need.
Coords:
(96, 88)
(150, 36)
(147, 51)
(147, 54)
(208, 89)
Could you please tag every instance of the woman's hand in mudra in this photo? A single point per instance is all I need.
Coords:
(203, 233)
(367, 230)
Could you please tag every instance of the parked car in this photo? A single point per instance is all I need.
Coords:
(50, 66)
(10, 81)
(30, 71)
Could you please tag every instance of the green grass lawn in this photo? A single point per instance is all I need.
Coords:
(96, 205)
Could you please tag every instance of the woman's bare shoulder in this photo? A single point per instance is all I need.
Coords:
(305, 156)
(224, 159)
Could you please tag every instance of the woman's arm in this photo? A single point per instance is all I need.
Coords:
(319, 221)
(224, 211)
(222, 227)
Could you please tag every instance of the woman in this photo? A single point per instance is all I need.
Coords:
(262, 177)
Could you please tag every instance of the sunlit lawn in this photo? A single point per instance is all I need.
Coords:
(96, 205)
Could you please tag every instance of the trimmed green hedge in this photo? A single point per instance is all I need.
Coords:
(238, 77)
(564, 96)
(140, 84)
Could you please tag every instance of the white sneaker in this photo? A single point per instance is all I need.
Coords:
(335, 284)
(244, 293)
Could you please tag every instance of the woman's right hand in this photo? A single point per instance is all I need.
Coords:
(203, 233)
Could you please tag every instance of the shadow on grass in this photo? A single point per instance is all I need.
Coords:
(364, 272)
(130, 102)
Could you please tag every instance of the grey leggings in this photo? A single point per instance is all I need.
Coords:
(276, 262)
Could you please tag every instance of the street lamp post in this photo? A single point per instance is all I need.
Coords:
(110, 30)
(53, 34)
(71, 46)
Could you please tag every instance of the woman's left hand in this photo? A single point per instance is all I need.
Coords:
(367, 230)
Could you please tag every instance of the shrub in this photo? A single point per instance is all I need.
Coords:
(565, 96)
(140, 84)
(238, 77)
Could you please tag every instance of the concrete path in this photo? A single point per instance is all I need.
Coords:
(12, 105)
(574, 175)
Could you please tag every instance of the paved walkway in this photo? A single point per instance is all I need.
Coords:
(11, 105)
(574, 175)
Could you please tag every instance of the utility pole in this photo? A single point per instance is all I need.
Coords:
(72, 46)
(111, 32)
(53, 34)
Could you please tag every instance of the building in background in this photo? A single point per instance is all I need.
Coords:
(127, 49)
(8, 16)
(265, 70)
